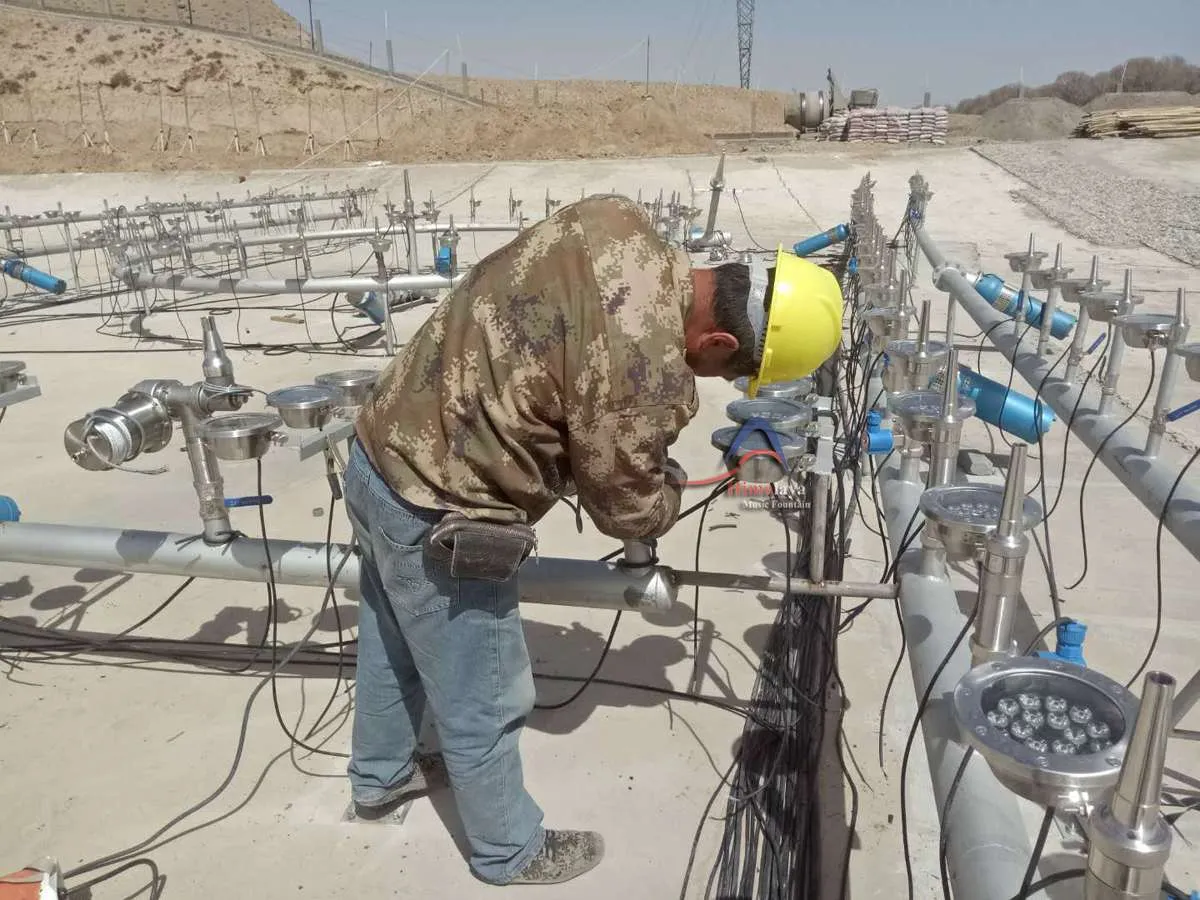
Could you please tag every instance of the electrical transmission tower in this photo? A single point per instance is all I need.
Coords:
(745, 16)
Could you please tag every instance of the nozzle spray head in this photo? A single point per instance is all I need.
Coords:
(217, 366)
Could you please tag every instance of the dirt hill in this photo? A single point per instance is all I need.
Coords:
(133, 80)
(261, 18)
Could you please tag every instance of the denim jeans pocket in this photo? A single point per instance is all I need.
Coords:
(415, 583)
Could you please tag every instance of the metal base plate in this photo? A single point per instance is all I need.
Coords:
(27, 391)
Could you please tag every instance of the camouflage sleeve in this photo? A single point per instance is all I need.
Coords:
(618, 465)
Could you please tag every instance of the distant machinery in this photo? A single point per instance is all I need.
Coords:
(745, 28)
(814, 107)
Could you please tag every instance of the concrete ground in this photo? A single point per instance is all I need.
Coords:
(102, 755)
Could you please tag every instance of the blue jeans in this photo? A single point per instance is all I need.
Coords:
(457, 643)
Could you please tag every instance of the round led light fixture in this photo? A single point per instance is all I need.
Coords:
(779, 390)
(1191, 359)
(10, 375)
(787, 416)
(305, 405)
(1104, 306)
(919, 411)
(963, 516)
(906, 369)
(1052, 732)
(240, 436)
(354, 385)
(1145, 330)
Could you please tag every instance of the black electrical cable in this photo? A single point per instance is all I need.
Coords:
(1036, 856)
(273, 622)
(149, 843)
(720, 489)
(157, 882)
(1095, 456)
(912, 734)
(944, 836)
(1062, 474)
(1051, 880)
(1158, 573)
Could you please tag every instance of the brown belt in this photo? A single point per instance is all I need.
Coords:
(478, 549)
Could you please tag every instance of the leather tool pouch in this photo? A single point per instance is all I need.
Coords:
(485, 550)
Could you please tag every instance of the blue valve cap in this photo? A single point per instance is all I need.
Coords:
(880, 440)
(9, 511)
(874, 417)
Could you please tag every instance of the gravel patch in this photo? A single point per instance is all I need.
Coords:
(1032, 119)
(1099, 205)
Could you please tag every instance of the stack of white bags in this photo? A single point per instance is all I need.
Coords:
(891, 125)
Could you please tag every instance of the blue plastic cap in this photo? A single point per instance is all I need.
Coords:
(442, 265)
(880, 440)
(1072, 632)
(852, 266)
(9, 511)
(874, 417)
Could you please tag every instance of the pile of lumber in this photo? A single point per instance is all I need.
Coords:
(1152, 122)
(891, 125)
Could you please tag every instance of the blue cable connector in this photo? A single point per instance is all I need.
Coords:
(1068, 645)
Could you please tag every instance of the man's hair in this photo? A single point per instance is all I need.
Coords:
(729, 313)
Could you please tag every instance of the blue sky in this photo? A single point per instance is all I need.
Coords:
(959, 47)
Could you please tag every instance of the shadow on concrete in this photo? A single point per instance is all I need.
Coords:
(347, 613)
(574, 651)
(235, 620)
(16, 590)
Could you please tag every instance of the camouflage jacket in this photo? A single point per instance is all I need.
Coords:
(556, 367)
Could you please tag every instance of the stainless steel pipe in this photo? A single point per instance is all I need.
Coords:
(1148, 478)
(545, 579)
(990, 849)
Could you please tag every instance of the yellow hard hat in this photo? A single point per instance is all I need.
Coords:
(803, 327)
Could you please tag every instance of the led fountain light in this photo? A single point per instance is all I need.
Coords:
(305, 406)
(778, 390)
(1146, 330)
(963, 516)
(918, 412)
(908, 363)
(240, 436)
(1104, 306)
(354, 386)
(1052, 732)
(12, 375)
(888, 324)
(1191, 359)
(783, 415)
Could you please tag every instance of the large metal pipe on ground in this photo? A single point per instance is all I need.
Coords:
(545, 579)
(1149, 478)
(397, 284)
(989, 847)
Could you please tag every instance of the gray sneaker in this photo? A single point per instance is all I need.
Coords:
(429, 774)
(564, 855)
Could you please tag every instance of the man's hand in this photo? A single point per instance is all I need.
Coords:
(674, 473)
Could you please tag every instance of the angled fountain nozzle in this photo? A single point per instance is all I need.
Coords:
(718, 180)
(923, 334)
(217, 366)
(1127, 303)
(1012, 508)
(1058, 256)
(1181, 315)
(950, 387)
(408, 197)
(1135, 803)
